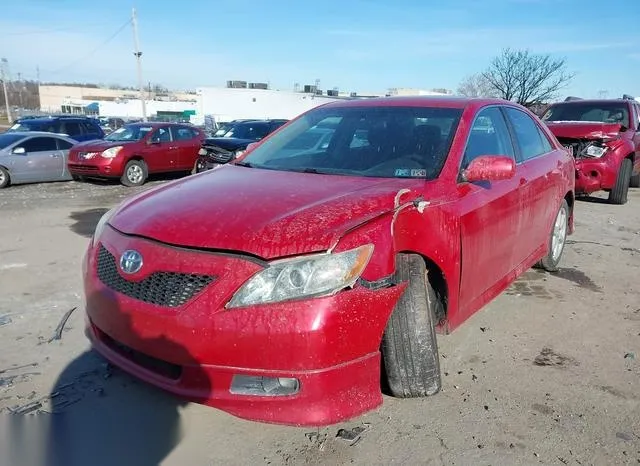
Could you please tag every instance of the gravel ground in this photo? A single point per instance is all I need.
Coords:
(545, 374)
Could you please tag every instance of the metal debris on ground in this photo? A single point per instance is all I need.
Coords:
(15, 368)
(629, 356)
(353, 435)
(57, 335)
(26, 409)
(4, 320)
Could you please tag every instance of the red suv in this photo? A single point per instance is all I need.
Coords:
(134, 151)
(271, 287)
(604, 136)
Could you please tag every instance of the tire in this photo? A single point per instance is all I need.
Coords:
(409, 346)
(135, 173)
(635, 181)
(618, 194)
(200, 166)
(78, 178)
(5, 178)
(557, 236)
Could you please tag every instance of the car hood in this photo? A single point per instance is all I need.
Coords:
(98, 145)
(583, 130)
(228, 143)
(264, 213)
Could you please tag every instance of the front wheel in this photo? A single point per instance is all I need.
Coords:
(618, 194)
(409, 345)
(5, 179)
(135, 173)
(557, 239)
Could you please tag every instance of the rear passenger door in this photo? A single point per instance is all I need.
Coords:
(489, 213)
(187, 140)
(541, 180)
(161, 154)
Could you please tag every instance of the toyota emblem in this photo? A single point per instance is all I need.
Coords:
(131, 261)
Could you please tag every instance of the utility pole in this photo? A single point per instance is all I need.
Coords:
(3, 75)
(138, 55)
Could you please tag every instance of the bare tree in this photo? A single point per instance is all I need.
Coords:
(527, 78)
(476, 86)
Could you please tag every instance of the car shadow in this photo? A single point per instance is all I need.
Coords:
(592, 200)
(100, 416)
(86, 221)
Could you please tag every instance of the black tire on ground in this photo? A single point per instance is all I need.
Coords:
(199, 166)
(635, 181)
(135, 173)
(5, 179)
(550, 262)
(78, 178)
(618, 194)
(409, 345)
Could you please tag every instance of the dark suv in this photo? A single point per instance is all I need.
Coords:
(220, 150)
(76, 127)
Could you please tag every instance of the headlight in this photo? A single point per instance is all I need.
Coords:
(317, 275)
(238, 153)
(102, 223)
(593, 150)
(202, 151)
(112, 152)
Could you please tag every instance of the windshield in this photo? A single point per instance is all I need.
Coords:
(247, 131)
(129, 133)
(597, 112)
(7, 139)
(27, 126)
(386, 142)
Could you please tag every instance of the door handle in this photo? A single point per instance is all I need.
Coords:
(173, 147)
(55, 156)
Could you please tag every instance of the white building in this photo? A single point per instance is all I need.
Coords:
(226, 104)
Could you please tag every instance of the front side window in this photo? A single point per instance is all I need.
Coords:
(489, 135)
(381, 142)
(161, 135)
(528, 135)
(39, 145)
(595, 112)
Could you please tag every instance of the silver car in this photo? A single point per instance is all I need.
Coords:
(32, 157)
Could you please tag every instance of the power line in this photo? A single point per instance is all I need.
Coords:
(81, 59)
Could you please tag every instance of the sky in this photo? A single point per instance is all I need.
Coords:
(354, 45)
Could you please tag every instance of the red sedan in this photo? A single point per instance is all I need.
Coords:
(132, 152)
(271, 287)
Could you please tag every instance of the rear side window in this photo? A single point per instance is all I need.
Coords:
(489, 135)
(530, 139)
(183, 134)
(39, 144)
(72, 128)
(90, 128)
(63, 145)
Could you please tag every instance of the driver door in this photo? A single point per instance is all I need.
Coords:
(489, 214)
(42, 161)
(161, 154)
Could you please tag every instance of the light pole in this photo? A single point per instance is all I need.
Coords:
(3, 75)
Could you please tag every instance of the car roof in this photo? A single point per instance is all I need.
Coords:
(594, 101)
(37, 133)
(50, 118)
(417, 101)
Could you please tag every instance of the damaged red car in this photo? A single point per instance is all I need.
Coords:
(604, 137)
(320, 267)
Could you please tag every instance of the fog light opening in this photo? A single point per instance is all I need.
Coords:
(264, 386)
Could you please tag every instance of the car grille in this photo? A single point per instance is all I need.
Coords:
(216, 154)
(168, 289)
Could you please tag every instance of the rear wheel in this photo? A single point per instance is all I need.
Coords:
(135, 173)
(618, 194)
(557, 239)
(5, 179)
(409, 345)
(201, 165)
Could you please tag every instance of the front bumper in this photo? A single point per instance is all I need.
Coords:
(595, 174)
(330, 344)
(95, 166)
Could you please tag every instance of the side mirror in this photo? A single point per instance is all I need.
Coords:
(19, 151)
(490, 168)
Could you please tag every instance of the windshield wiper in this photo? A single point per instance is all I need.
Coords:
(243, 164)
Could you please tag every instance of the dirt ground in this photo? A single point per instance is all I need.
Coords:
(546, 374)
